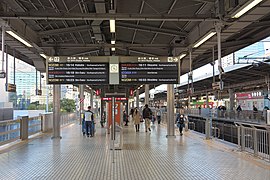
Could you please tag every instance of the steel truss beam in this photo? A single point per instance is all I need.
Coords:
(104, 16)
(151, 29)
(65, 30)
(118, 45)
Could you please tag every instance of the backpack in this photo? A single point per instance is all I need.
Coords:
(180, 120)
(147, 113)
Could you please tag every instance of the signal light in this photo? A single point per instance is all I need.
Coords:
(131, 92)
(98, 92)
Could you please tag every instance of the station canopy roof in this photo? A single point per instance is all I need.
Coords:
(142, 28)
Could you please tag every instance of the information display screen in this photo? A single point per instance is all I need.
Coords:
(78, 73)
(149, 73)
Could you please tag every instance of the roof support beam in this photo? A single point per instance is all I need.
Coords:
(139, 52)
(151, 29)
(65, 30)
(117, 45)
(104, 16)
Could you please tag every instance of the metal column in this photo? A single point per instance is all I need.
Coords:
(56, 111)
(137, 98)
(81, 89)
(190, 80)
(36, 83)
(207, 100)
(3, 48)
(47, 98)
(92, 98)
(113, 127)
(218, 30)
(132, 104)
(146, 98)
(170, 111)
(6, 67)
(232, 99)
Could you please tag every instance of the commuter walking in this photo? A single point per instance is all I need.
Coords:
(239, 109)
(147, 115)
(89, 122)
(125, 118)
(131, 114)
(180, 120)
(255, 112)
(158, 113)
(137, 119)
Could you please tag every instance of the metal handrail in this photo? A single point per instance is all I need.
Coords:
(215, 129)
(8, 136)
(255, 139)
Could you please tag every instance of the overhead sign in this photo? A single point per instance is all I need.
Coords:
(117, 99)
(39, 92)
(218, 85)
(112, 70)
(149, 73)
(77, 70)
(2, 74)
(11, 87)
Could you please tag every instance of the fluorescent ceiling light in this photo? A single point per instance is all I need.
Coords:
(182, 56)
(246, 7)
(112, 26)
(204, 38)
(112, 42)
(113, 48)
(19, 38)
(43, 55)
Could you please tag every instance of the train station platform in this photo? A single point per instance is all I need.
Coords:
(145, 155)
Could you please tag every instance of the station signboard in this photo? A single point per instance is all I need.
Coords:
(11, 87)
(77, 70)
(2, 74)
(149, 70)
(112, 70)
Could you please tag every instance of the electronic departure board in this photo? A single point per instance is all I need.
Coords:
(149, 73)
(76, 71)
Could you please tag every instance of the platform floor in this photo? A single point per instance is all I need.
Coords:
(144, 156)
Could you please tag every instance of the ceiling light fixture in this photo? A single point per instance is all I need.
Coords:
(43, 55)
(204, 38)
(182, 56)
(19, 38)
(112, 26)
(113, 48)
(245, 8)
(112, 42)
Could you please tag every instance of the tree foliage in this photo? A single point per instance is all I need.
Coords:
(67, 105)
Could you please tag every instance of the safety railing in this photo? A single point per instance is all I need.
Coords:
(22, 128)
(34, 125)
(9, 131)
(215, 132)
(67, 118)
(191, 125)
(220, 129)
(254, 139)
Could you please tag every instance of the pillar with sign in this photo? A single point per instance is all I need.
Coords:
(114, 123)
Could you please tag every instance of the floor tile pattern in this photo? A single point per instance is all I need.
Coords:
(144, 156)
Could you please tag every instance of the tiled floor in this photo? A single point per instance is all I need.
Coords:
(144, 156)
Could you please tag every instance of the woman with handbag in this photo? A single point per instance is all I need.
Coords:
(137, 119)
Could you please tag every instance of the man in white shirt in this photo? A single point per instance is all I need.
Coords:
(89, 120)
